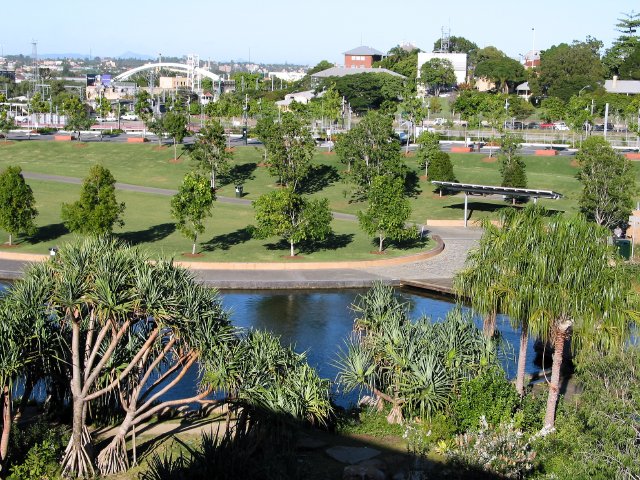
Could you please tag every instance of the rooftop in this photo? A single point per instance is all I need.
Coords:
(364, 50)
(342, 71)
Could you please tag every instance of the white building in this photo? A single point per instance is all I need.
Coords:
(458, 60)
(287, 76)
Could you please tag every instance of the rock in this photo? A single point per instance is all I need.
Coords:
(360, 472)
(374, 463)
(352, 455)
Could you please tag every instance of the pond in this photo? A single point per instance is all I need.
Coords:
(319, 321)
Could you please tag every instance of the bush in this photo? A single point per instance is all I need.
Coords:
(422, 436)
(489, 395)
(503, 450)
(41, 463)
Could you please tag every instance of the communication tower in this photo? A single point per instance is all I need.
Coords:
(445, 40)
(194, 79)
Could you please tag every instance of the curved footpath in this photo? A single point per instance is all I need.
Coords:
(435, 270)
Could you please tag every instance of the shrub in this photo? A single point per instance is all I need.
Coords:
(489, 395)
(41, 463)
(422, 436)
(503, 450)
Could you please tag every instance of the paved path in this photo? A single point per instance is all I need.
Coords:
(439, 269)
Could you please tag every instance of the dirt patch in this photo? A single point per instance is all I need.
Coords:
(193, 255)
(436, 196)
(159, 148)
(230, 150)
(423, 177)
(489, 159)
(174, 160)
(261, 164)
(8, 143)
(410, 154)
(80, 145)
(377, 252)
(6, 245)
(574, 163)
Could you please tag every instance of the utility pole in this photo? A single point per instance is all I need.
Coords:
(245, 132)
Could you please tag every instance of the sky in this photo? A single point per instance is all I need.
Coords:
(297, 32)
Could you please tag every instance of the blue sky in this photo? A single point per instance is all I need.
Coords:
(302, 31)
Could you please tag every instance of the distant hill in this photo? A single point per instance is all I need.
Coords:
(59, 56)
(137, 56)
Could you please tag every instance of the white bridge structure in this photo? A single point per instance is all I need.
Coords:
(192, 68)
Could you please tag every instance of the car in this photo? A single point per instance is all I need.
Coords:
(129, 116)
(560, 126)
(532, 125)
(21, 118)
(547, 126)
(403, 137)
(106, 119)
(439, 121)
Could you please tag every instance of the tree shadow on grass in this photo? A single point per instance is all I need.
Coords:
(318, 178)
(228, 240)
(407, 244)
(333, 241)
(239, 174)
(151, 234)
(48, 233)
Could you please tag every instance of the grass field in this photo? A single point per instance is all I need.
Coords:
(148, 220)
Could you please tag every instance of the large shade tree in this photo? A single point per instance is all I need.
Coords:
(210, 152)
(17, 203)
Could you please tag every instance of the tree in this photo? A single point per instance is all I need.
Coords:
(77, 115)
(387, 211)
(210, 151)
(437, 74)
(120, 317)
(367, 91)
(567, 284)
(370, 149)
(402, 60)
(512, 166)
(623, 47)
(414, 366)
(630, 68)
(289, 148)
(97, 211)
(505, 72)
(553, 109)
(414, 110)
(429, 145)
(291, 216)
(322, 65)
(175, 124)
(457, 45)
(608, 181)
(565, 69)
(17, 203)
(191, 205)
(6, 122)
(441, 168)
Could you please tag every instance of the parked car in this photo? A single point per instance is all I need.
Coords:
(547, 126)
(129, 116)
(532, 125)
(21, 118)
(439, 121)
(560, 126)
(106, 119)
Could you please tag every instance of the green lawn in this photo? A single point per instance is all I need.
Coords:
(147, 216)
(227, 238)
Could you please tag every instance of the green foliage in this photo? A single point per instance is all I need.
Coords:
(369, 421)
(622, 56)
(370, 149)
(320, 66)
(512, 166)
(441, 168)
(414, 366)
(191, 205)
(609, 187)
(17, 203)
(367, 91)
(597, 436)
(565, 69)
(401, 61)
(437, 74)
(35, 451)
(387, 212)
(501, 450)
(426, 434)
(97, 211)
(489, 395)
(289, 148)
(209, 151)
(291, 216)
(505, 72)
(429, 146)
(41, 463)
(553, 109)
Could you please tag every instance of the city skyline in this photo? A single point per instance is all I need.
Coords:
(295, 33)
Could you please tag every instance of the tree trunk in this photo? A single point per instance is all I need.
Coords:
(10, 239)
(291, 244)
(522, 358)
(554, 385)
(28, 389)
(113, 459)
(381, 241)
(489, 325)
(213, 179)
(175, 151)
(6, 423)
(76, 461)
(193, 248)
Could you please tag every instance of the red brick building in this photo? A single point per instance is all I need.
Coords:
(362, 57)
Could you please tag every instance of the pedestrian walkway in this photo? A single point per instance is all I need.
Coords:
(440, 268)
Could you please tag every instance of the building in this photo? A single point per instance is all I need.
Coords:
(287, 76)
(531, 59)
(458, 60)
(362, 57)
(523, 91)
(623, 87)
(298, 97)
(171, 83)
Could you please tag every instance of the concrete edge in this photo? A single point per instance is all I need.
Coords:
(238, 266)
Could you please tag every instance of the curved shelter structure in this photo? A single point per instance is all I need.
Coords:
(178, 67)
